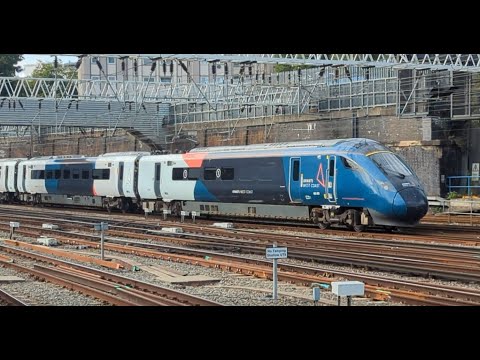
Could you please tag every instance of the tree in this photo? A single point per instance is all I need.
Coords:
(283, 67)
(7, 64)
(47, 70)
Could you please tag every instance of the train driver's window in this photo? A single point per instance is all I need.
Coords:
(349, 164)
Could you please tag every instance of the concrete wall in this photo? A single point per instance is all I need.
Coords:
(90, 144)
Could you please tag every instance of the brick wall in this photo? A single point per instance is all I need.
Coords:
(90, 144)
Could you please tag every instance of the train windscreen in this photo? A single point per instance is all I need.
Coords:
(391, 163)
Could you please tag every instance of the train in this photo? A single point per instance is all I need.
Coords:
(356, 183)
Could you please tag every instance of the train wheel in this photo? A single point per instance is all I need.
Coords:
(358, 228)
(323, 225)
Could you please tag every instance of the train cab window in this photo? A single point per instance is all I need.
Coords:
(227, 174)
(58, 174)
(85, 174)
(349, 164)
(296, 170)
(177, 174)
(75, 174)
(66, 173)
(210, 174)
(49, 174)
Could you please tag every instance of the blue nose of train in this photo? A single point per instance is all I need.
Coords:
(410, 205)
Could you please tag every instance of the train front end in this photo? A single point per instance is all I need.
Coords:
(404, 198)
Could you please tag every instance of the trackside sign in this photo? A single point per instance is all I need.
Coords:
(276, 253)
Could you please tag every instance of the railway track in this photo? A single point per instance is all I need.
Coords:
(12, 299)
(447, 262)
(444, 261)
(113, 289)
(445, 234)
(377, 287)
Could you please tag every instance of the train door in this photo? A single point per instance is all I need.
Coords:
(15, 185)
(6, 178)
(294, 180)
(156, 184)
(331, 188)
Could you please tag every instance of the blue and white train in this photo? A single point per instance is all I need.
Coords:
(354, 182)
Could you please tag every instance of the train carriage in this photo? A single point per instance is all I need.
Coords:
(353, 182)
(8, 179)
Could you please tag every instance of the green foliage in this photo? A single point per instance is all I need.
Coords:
(7, 62)
(453, 195)
(283, 67)
(47, 70)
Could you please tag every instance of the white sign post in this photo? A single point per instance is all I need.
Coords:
(275, 253)
(101, 227)
(475, 171)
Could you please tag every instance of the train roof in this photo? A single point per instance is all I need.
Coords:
(58, 157)
(347, 143)
(127, 153)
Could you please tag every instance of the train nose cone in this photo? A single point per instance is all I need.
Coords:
(410, 204)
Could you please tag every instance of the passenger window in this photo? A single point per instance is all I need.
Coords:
(49, 174)
(194, 174)
(66, 174)
(177, 174)
(85, 174)
(296, 170)
(75, 174)
(209, 174)
(101, 174)
(58, 174)
(227, 174)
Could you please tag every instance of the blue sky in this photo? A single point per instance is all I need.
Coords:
(32, 59)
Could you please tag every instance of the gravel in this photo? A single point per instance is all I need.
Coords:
(35, 292)
(235, 289)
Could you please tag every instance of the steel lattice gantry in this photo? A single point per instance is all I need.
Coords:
(137, 103)
(454, 62)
